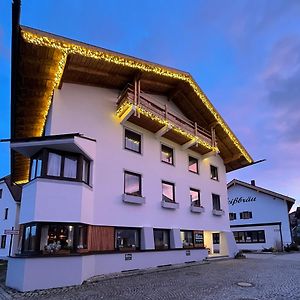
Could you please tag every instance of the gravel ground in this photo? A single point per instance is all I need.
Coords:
(272, 277)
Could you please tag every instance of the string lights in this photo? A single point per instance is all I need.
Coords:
(69, 48)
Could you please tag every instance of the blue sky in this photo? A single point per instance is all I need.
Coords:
(245, 55)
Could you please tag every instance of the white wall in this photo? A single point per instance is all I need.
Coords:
(265, 209)
(91, 111)
(7, 201)
(27, 274)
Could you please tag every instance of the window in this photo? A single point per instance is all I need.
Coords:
(3, 241)
(167, 155)
(161, 239)
(54, 164)
(246, 215)
(132, 184)
(195, 197)
(82, 237)
(193, 165)
(232, 216)
(127, 239)
(132, 141)
(36, 167)
(30, 238)
(1, 192)
(216, 202)
(216, 238)
(6, 214)
(70, 167)
(85, 171)
(255, 236)
(214, 173)
(168, 191)
(187, 238)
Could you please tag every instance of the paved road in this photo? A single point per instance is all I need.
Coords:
(274, 277)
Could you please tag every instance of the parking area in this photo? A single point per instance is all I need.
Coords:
(259, 276)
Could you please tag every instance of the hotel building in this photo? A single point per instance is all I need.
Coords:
(122, 161)
(259, 218)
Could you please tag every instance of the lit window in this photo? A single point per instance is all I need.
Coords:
(216, 202)
(246, 215)
(167, 155)
(3, 241)
(216, 238)
(193, 165)
(127, 239)
(161, 239)
(214, 173)
(195, 197)
(168, 191)
(187, 238)
(132, 184)
(132, 141)
(232, 216)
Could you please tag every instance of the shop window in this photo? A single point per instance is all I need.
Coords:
(193, 165)
(254, 236)
(187, 238)
(168, 191)
(82, 236)
(30, 242)
(133, 141)
(216, 202)
(132, 184)
(246, 215)
(167, 155)
(214, 173)
(3, 241)
(127, 239)
(161, 239)
(232, 216)
(195, 197)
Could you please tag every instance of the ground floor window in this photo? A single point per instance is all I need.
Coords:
(254, 236)
(127, 239)
(3, 241)
(161, 239)
(187, 238)
(50, 238)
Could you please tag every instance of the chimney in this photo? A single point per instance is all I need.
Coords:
(253, 182)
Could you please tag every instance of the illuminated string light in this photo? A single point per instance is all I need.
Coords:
(68, 48)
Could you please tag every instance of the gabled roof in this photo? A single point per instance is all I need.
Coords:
(261, 190)
(44, 61)
(15, 190)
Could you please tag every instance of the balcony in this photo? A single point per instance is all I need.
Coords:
(144, 111)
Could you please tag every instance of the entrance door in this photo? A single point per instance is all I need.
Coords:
(216, 242)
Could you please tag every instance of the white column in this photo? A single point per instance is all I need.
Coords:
(147, 238)
(175, 239)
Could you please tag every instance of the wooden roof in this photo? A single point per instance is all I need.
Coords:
(43, 62)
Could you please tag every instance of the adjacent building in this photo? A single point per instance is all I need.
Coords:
(295, 225)
(122, 161)
(10, 196)
(259, 218)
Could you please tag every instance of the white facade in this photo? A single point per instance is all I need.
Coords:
(258, 210)
(101, 202)
(9, 219)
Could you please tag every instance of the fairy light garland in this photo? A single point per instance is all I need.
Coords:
(68, 48)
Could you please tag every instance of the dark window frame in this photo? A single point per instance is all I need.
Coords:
(245, 215)
(197, 164)
(135, 133)
(168, 237)
(173, 189)
(193, 239)
(161, 155)
(3, 241)
(232, 216)
(241, 236)
(197, 202)
(214, 169)
(6, 213)
(219, 198)
(44, 155)
(140, 183)
(1, 193)
(129, 249)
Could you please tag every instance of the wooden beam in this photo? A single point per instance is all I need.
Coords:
(232, 158)
(162, 131)
(127, 114)
(209, 154)
(188, 144)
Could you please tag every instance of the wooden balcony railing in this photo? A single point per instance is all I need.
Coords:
(163, 112)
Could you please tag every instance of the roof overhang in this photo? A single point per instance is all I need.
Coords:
(43, 62)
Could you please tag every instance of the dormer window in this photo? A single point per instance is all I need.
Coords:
(60, 165)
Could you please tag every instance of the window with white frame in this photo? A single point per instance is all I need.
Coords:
(167, 155)
(132, 183)
(214, 173)
(133, 141)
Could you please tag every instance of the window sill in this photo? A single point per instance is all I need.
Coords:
(218, 212)
(133, 199)
(169, 205)
(197, 209)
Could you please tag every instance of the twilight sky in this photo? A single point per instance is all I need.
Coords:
(245, 55)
